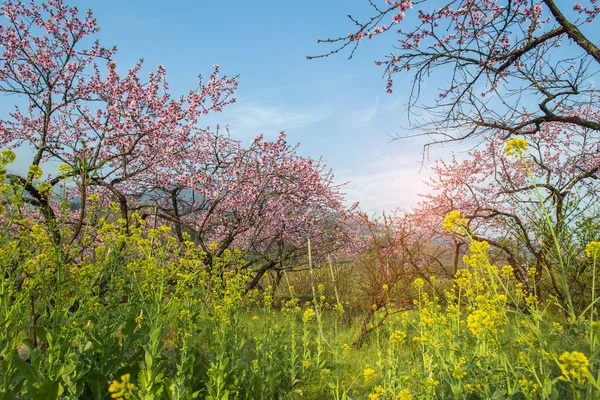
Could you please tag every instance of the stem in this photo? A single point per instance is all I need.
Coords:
(563, 273)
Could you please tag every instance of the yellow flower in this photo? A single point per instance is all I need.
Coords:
(346, 348)
(463, 278)
(557, 326)
(379, 391)
(369, 373)
(306, 363)
(309, 313)
(507, 271)
(479, 247)
(479, 321)
(574, 366)
(405, 395)
(515, 146)
(7, 157)
(459, 372)
(64, 169)
(397, 337)
(454, 220)
(419, 283)
(123, 389)
(592, 248)
(35, 172)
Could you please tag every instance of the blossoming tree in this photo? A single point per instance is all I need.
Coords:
(115, 133)
(512, 196)
(511, 66)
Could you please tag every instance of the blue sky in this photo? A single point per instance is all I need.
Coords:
(336, 108)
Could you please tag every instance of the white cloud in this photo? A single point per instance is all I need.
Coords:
(386, 184)
(250, 120)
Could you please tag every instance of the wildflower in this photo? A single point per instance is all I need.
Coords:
(255, 318)
(369, 373)
(501, 298)
(405, 395)
(385, 287)
(430, 381)
(64, 169)
(574, 366)
(419, 283)
(35, 172)
(44, 188)
(592, 248)
(479, 321)
(339, 308)
(463, 278)
(557, 326)
(507, 271)
(397, 337)
(379, 391)
(453, 221)
(346, 348)
(459, 372)
(7, 156)
(123, 389)
(515, 146)
(309, 313)
(306, 363)
(479, 246)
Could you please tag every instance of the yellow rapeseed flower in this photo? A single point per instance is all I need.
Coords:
(309, 313)
(419, 283)
(7, 156)
(369, 373)
(405, 395)
(479, 247)
(454, 220)
(592, 248)
(574, 366)
(507, 271)
(397, 337)
(35, 172)
(480, 321)
(123, 389)
(515, 146)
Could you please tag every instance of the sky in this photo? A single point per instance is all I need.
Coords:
(336, 108)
